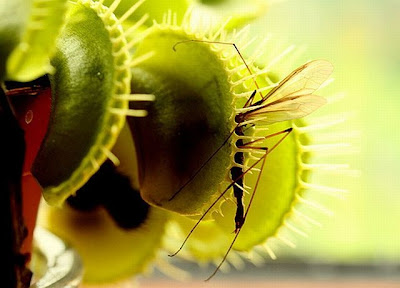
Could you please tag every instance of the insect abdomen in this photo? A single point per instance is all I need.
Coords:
(237, 177)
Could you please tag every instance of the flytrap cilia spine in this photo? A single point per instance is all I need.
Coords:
(291, 99)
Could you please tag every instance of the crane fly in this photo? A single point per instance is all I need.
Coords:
(291, 99)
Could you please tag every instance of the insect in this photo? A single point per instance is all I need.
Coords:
(292, 98)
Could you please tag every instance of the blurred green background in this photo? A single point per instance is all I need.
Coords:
(362, 40)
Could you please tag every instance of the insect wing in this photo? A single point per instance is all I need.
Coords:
(303, 81)
(290, 109)
(293, 98)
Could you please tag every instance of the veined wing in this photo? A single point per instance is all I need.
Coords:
(303, 81)
(288, 110)
(293, 98)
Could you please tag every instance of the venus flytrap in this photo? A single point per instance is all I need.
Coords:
(91, 83)
(176, 113)
(90, 95)
(90, 90)
(183, 135)
(187, 136)
(171, 132)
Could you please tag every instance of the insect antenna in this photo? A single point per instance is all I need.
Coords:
(247, 104)
(250, 100)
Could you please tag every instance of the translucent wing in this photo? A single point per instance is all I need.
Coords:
(289, 110)
(303, 81)
(293, 98)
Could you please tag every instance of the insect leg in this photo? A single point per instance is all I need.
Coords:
(286, 132)
(237, 231)
(262, 160)
(239, 158)
(202, 166)
(213, 204)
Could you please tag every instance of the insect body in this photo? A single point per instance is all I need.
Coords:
(292, 98)
(238, 187)
(238, 173)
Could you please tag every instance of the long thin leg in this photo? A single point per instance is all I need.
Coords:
(239, 229)
(262, 160)
(202, 166)
(231, 185)
(212, 205)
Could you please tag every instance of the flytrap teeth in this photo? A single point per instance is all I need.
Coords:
(332, 191)
(129, 112)
(135, 97)
(294, 229)
(286, 241)
(136, 61)
(315, 206)
(304, 218)
(114, 159)
(269, 251)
